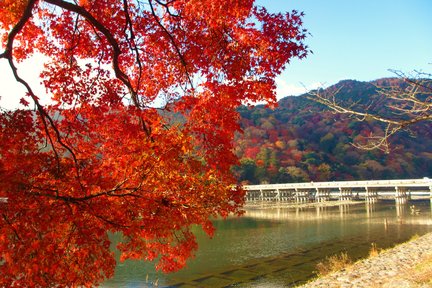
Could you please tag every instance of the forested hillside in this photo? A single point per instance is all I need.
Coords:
(301, 140)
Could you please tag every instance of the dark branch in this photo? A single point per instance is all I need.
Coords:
(108, 35)
(11, 226)
(173, 42)
(8, 54)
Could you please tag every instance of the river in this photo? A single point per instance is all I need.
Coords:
(280, 247)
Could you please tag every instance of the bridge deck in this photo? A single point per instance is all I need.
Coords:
(424, 182)
(344, 190)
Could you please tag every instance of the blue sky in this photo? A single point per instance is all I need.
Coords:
(358, 40)
(350, 39)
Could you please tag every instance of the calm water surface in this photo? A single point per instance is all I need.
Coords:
(280, 247)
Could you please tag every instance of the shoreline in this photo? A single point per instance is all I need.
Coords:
(408, 264)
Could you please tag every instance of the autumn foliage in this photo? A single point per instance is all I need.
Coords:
(302, 140)
(137, 136)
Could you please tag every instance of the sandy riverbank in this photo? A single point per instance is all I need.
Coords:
(408, 265)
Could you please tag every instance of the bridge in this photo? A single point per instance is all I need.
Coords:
(370, 191)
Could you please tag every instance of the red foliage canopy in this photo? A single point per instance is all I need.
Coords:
(101, 158)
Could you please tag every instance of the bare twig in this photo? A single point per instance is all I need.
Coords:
(409, 103)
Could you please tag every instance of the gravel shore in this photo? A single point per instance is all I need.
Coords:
(397, 267)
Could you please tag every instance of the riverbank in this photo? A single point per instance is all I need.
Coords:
(408, 265)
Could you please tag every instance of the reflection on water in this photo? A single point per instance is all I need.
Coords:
(280, 247)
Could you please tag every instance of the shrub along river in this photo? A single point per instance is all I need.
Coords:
(280, 247)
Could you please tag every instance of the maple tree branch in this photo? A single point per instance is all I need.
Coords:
(115, 48)
(112, 223)
(109, 193)
(108, 35)
(173, 42)
(17, 28)
(75, 32)
(131, 42)
(11, 226)
(128, 24)
(166, 5)
(8, 54)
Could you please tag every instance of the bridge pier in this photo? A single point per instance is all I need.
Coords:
(371, 195)
(401, 195)
(285, 195)
(301, 195)
(265, 194)
(270, 195)
(253, 195)
(278, 195)
(345, 194)
(322, 194)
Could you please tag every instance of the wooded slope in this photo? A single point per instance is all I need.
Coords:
(301, 140)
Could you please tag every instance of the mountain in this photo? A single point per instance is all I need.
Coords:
(302, 140)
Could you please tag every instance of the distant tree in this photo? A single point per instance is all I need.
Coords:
(280, 144)
(247, 171)
(324, 172)
(296, 174)
(402, 106)
(328, 142)
(100, 158)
